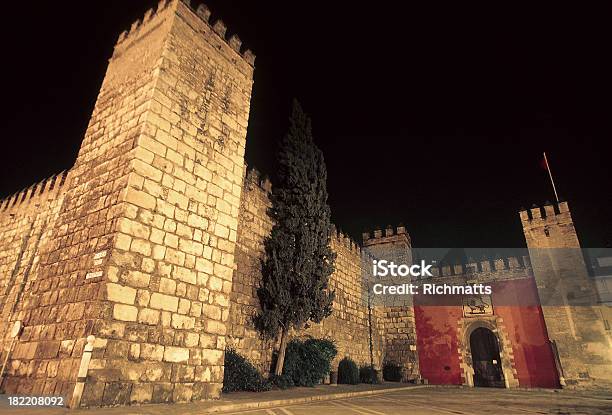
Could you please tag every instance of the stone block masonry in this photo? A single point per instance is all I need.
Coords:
(398, 320)
(575, 327)
(26, 223)
(140, 252)
(255, 224)
(132, 271)
(348, 324)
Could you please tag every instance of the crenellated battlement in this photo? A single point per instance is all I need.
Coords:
(45, 189)
(486, 266)
(139, 24)
(342, 239)
(390, 234)
(254, 178)
(549, 226)
(220, 29)
(547, 212)
(202, 11)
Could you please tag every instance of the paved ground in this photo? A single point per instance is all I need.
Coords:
(396, 400)
(237, 400)
(454, 402)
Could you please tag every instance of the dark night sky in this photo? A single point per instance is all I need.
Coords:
(431, 116)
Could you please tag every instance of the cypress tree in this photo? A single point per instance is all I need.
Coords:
(299, 260)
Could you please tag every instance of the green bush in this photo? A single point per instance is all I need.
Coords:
(392, 372)
(241, 375)
(281, 382)
(348, 372)
(326, 351)
(306, 363)
(367, 374)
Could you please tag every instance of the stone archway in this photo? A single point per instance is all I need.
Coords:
(492, 326)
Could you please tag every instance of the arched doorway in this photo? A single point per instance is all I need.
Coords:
(486, 359)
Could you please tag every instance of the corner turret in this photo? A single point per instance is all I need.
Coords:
(568, 297)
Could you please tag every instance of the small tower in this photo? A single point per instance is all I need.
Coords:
(390, 244)
(397, 311)
(568, 297)
(549, 228)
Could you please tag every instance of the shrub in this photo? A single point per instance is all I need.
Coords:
(367, 374)
(281, 382)
(241, 375)
(307, 363)
(348, 372)
(325, 349)
(392, 372)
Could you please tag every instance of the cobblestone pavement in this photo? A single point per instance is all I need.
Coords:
(454, 402)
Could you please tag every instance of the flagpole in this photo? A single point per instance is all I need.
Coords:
(551, 177)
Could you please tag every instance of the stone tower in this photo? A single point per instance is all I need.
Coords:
(568, 297)
(140, 255)
(395, 312)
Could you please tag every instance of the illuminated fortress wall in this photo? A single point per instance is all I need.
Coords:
(444, 325)
(136, 248)
(347, 326)
(51, 307)
(132, 271)
(569, 297)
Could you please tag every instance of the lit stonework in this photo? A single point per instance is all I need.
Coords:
(137, 246)
(134, 270)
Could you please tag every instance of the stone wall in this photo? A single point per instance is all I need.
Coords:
(254, 225)
(401, 339)
(444, 325)
(348, 324)
(150, 246)
(396, 312)
(568, 296)
(26, 221)
(169, 275)
(141, 252)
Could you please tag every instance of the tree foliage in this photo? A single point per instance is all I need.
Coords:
(299, 260)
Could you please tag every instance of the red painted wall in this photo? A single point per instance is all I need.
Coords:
(533, 357)
(516, 302)
(437, 345)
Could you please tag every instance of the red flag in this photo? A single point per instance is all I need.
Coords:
(544, 164)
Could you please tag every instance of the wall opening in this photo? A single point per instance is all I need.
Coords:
(486, 359)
